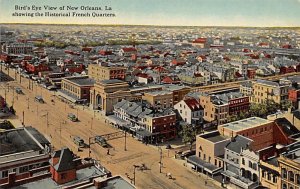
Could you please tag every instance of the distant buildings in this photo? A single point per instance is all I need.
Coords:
(19, 48)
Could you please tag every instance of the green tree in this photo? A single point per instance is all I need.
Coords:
(188, 134)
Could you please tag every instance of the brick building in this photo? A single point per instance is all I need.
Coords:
(76, 89)
(23, 150)
(149, 126)
(102, 72)
(159, 99)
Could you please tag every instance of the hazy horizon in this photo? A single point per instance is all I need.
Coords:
(207, 13)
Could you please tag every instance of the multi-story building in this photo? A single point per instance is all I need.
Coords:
(102, 72)
(105, 94)
(289, 166)
(209, 153)
(66, 170)
(159, 99)
(217, 107)
(270, 173)
(19, 48)
(264, 90)
(262, 131)
(179, 92)
(190, 111)
(22, 151)
(233, 162)
(76, 89)
(149, 126)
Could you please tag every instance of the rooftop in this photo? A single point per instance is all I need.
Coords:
(21, 140)
(48, 183)
(213, 136)
(111, 81)
(246, 123)
(82, 81)
(157, 93)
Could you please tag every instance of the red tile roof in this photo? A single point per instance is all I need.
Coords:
(193, 104)
(129, 49)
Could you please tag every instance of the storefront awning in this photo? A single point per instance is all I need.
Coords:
(67, 96)
(114, 119)
(212, 169)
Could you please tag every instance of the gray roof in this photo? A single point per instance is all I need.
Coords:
(18, 140)
(132, 108)
(82, 81)
(266, 82)
(111, 81)
(65, 160)
(238, 142)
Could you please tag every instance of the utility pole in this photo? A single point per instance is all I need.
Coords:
(23, 119)
(47, 120)
(13, 100)
(160, 159)
(92, 123)
(27, 103)
(77, 113)
(125, 149)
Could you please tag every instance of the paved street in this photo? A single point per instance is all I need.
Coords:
(60, 131)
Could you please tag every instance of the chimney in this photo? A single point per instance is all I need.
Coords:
(100, 183)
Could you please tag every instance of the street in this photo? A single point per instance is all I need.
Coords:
(50, 118)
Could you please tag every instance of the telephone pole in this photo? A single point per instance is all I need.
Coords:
(160, 159)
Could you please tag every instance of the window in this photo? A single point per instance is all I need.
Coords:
(204, 157)
(23, 169)
(298, 179)
(250, 164)
(4, 174)
(291, 176)
(269, 176)
(216, 162)
(209, 158)
(284, 186)
(199, 154)
(284, 173)
(274, 179)
(263, 173)
(254, 166)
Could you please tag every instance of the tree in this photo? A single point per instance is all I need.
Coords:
(188, 134)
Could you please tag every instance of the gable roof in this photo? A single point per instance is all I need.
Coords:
(193, 104)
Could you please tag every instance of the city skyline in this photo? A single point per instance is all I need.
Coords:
(250, 13)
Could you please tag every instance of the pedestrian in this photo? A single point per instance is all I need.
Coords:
(205, 183)
(107, 152)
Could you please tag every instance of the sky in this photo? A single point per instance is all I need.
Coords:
(258, 13)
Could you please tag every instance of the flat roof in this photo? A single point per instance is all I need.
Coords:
(19, 140)
(246, 123)
(111, 81)
(81, 81)
(118, 183)
(47, 183)
(213, 136)
(160, 92)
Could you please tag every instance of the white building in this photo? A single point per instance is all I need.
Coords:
(190, 111)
